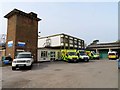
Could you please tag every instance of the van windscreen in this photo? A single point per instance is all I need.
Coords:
(111, 54)
(71, 53)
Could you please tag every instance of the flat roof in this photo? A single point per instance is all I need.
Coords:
(58, 35)
(113, 45)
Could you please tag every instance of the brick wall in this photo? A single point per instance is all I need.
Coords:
(11, 35)
(22, 27)
(27, 31)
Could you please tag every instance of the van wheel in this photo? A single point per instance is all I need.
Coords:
(76, 61)
(29, 67)
(88, 60)
(13, 68)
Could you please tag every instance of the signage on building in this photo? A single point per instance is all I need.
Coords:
(10, 43)
(48, 42)
(21, 44)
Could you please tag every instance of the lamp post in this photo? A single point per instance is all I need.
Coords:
(39, 34)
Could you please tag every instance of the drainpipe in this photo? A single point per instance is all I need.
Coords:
(96, 50)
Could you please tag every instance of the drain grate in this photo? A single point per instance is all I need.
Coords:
(57, 69)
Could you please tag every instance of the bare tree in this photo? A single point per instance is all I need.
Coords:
(2, 39)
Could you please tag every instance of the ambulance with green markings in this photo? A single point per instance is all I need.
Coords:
(93, 55)
(82, 55)
(69, 55)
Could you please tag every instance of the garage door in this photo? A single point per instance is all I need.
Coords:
(103, 54)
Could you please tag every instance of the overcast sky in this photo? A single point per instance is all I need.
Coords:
(85, 20)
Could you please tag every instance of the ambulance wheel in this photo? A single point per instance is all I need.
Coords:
(76, 61)
(88, 60)
(69, 61)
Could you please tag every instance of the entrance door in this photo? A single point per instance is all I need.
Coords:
(44, 56)
(52, 55)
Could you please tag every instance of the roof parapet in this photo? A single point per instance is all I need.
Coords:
(31, 15)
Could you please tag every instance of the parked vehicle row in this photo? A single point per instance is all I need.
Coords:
(69, 55)
(25, 59)
(78, 55)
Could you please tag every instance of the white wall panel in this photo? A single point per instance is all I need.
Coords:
(55, 41)
(41, 42)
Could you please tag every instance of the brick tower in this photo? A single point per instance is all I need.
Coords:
(22, 33)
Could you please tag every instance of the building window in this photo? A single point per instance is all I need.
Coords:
(75, 45)
(62, 44)
(79, 43)
(75, 42)
(52, 54)
(66, 44)
(66, 40)
(43, 54)
(71, 45)
(66, 36)
(80, 47)
(62, 35)
(71, 41)
(71, 38)
(61, 39)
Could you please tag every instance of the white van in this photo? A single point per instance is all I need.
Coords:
(112, 55)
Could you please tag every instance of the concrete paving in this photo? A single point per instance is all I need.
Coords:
(94, 74)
